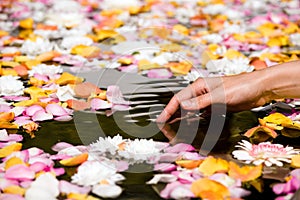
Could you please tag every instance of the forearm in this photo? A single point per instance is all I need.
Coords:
(282, 81)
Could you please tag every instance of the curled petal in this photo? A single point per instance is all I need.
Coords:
(56, 110)
(31, 110)
(41, 115)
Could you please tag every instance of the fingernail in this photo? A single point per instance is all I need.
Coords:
(186, 103)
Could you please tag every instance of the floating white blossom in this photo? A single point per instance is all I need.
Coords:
(10, 86)
(36, 47)
(93, 172)
(71, 41)
(107, 144)
(43, 69)
(264, 153)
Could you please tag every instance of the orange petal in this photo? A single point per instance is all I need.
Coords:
(21, 70)
(67, 78)
(47, 56)
(245, 173)
(78, 104)
(189, 164)
(6, 116)
(258, 63)
(259, 130)
(8, 125)
(5, 151)
(209, 189)
(212, 165)
(77, 160)
(295, 161)
(86, 89)
(179, 68)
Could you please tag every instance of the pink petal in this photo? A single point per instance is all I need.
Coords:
(18, 110)
(67, 188)
(41, 77)
(159, 73)
(177, 190)
(46, 161)
(7, 196)
(31, 110)
(191, 155)
(58, 171)
(115, 96)
(129, 69)
(122, 166)
(97, 104)
(4, 108)
(4, 137)
(60, 146)
(41, 115)
(56, 110)
(183, 176)
(49, 100)
(164, 167)
(25, 184)
(59, 157)
(16, 98)
(22, 120)
(119, 107)
(168, 157)
(19, 172)
(37, 166)
(180, 147)
(64, 118)
(5, 183)
(34, 151)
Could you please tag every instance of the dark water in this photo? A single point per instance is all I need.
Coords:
(87, 128)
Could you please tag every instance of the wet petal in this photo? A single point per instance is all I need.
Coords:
(19, 172)
(41, 115)
(107, 190)
(181, 147)
(56, 110)
(67, 188)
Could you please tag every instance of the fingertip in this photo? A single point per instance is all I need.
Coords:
(163, 117)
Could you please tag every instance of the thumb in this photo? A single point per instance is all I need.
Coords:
(197, 103)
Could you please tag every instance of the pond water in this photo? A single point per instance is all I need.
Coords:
(88, 127)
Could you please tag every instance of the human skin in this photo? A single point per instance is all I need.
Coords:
(238, 92)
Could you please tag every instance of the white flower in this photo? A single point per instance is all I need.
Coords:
(229, 67)
(43, 69)
(71, 41)
(295, 39)
(36, 47)
(140, 150)
(214, 9)
(264, 152)
(9, 85)
(213, 38)
(92, 172)
(116, 4)
(108, 144)
(65, 93)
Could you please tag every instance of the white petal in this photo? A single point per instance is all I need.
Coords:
(107, 190)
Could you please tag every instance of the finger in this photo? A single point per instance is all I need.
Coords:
(197, 103)
(174, 104)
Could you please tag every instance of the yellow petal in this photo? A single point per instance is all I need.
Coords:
(74, 160)
(77, 196)
(245, 173)
(13, 161)
(104, 34)
(179, 68)
(14, 189)
(26, 23)
(233, 54)
(189, 164)
(213, 165)
(181, 29)
(5, 151)
(67, 78)
(86, 51)
(31, 63)
(209, 189)
(277, 118)
(8, 125)
(295, 161)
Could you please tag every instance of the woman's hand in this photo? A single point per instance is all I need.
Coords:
(238, 92)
